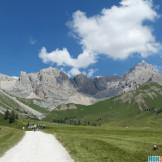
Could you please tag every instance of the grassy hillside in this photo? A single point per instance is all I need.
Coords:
(97, 144)
(22, 107)
(146, 98)
(142, 107)
(31, 103)
(9, 104)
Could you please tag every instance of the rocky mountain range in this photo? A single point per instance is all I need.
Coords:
(51, 87)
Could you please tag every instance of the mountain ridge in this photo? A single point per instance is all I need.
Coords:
(51, 87)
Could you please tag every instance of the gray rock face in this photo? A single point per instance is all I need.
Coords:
(51, 87)
(7, 82)
(140, 74)
(98, 87)
(102, 87)
(84, 84)
(102, 83)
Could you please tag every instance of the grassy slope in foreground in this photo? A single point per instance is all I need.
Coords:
(129, 109)
(96, 144)
(8, 136)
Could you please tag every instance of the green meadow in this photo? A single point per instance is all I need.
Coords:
(9, 135)
(97, 144)
(120, 129)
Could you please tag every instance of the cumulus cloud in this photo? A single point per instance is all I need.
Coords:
(117, 32)
(73, 72)
(62, 57)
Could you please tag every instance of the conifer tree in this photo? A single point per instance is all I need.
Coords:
(12, 117)
(6, 115)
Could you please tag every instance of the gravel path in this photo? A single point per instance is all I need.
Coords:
(37, 147)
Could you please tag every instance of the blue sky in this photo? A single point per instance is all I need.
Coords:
(27, 26)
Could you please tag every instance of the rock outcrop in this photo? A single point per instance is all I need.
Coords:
(49, 87)
(7, 82)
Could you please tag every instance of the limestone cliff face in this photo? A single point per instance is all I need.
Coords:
(99, 87)
(140, 74)
(102, 87)
(44, 84)
(84, 84)
(51, 87)
(7, 82)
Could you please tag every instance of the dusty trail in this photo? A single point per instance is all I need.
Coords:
(37, 147)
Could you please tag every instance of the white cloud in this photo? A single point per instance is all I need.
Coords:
(117, 32)
(91, 72)
(63, 58)
(73, 72)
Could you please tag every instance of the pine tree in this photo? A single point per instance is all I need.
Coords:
(6, 115)
(12, 117)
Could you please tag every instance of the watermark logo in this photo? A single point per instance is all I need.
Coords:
(154, 158)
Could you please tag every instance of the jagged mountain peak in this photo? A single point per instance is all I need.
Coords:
(50, 70)
(53, 87)
(143, 66)
(23, 72)
(45, 73)
(7, 77)
(142, 72)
